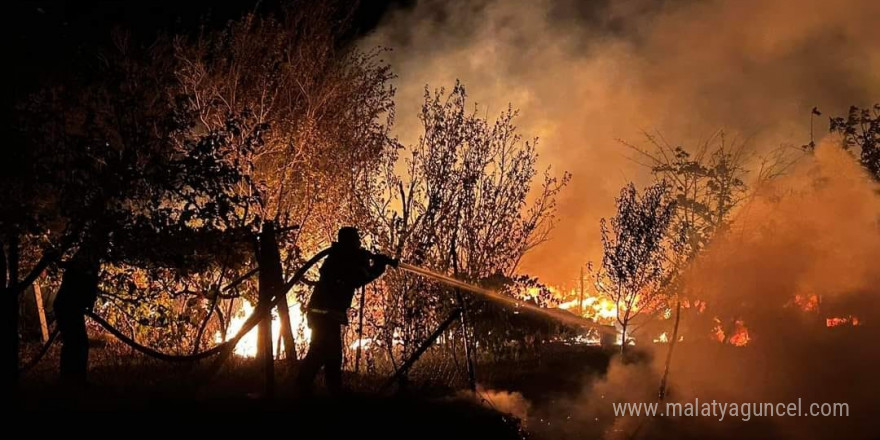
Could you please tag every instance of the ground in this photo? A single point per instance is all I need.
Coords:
(127, 393)
(565, 393)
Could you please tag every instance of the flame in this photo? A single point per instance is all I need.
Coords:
(739, 338)
(600, 309)
(717, 331)
(597, 308)
(247, 346)
(840, 321)
(364, 343)
(699, 305)
(592, 339)
(807, 303)
(533, 292)
(367, 343)
(662, 339)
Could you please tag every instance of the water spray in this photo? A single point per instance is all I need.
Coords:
(555, 314)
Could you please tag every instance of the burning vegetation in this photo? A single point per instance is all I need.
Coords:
(180, 198)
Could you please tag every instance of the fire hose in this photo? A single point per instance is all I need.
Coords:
(260, 313)
(43, 350)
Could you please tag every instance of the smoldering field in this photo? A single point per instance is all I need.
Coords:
(812, 232)
(799, 253)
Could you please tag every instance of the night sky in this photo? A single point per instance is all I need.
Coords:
(44, 37)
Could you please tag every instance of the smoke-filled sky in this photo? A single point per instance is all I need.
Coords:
(586, 73)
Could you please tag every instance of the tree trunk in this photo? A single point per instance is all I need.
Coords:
(468, 344)
(623, 337)
(287, 330)
(663, 381)
(9, 316)
(12, 297)
(581, 295)
(77, 293)
(271, 282)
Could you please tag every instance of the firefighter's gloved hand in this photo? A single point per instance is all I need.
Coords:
(385, 260)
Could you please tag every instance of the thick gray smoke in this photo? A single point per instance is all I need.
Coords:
(585, 73)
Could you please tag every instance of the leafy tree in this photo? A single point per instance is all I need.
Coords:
(634, 261)
(861, 130)
(29, 239)
(708, 183)
(126, 177)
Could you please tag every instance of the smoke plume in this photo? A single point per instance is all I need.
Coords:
(815, 231)
(812, 232)
(587, 73)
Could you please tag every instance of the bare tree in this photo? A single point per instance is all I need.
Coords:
(324, 112)
(464, 203)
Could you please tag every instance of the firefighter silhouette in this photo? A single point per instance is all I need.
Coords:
(347, 268)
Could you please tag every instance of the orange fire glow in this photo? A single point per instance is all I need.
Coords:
(842, 321)
(247, 346)
(598, 308)
(739, 337)
(807, 303)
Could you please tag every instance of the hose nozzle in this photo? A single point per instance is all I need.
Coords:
(386, 260)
